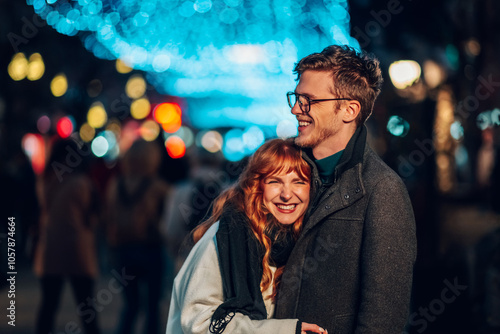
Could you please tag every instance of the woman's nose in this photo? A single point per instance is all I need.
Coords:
(286, 193)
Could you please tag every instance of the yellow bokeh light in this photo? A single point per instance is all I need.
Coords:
(36, 67)
(404, 73)
(87, 133)
(122, 67)
(18, 67)
(434, 74)
(136, 86)
(59, 85)
(149, 130)
(115, 127)
(140, 108)
(97, 117)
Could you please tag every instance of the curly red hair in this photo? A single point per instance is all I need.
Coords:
(273, 157)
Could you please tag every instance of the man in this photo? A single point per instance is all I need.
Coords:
(351, 269)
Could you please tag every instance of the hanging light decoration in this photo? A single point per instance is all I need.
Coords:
(238, 54)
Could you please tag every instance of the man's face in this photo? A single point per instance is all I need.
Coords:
(322, 123)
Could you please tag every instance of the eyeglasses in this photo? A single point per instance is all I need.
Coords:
(304, 101)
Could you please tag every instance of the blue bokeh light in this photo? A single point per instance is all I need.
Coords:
(397, 126)
(230, 58)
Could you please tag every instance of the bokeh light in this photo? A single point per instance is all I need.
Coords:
(169, 116)
(473, 47)
(149, 130)
(186, 134)
(59, 85)
(234, 147)
(34, 147)
(97, 116)
(65, 126)
(99, 146)
(397, 126)
(287, 128)
(18, 67)
(114, 126)
(87, 133)
(211, 141)
(253, 138)
(404, 73)
(434, 74)
(236, 55)
(121, 67)
(136, 86)
(43, 124)
(36, 67)
(140, 108)
(176, 148)
(457, 130)
(113, 149)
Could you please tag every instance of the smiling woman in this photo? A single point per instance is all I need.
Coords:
(286, 196)
(249, 236)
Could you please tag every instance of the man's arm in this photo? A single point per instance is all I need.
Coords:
(387, 258)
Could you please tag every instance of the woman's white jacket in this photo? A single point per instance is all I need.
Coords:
(197, 292)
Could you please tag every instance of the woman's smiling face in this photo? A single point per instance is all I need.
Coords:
(286, 196)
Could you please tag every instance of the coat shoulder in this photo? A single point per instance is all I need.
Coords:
(375, 170)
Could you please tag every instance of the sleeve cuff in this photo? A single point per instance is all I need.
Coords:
(298, 328)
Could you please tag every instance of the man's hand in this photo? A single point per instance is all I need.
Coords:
(312, 328)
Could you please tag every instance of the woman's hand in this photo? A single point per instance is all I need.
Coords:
(312, 328)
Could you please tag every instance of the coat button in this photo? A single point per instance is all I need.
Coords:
(346, 196)
(358, 190)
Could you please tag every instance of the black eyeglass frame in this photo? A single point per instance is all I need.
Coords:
(301, 105)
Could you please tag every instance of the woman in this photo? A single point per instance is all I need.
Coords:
(230, 278)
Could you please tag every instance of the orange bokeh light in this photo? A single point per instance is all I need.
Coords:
(173, 125)
(169, 116)
(175, 147)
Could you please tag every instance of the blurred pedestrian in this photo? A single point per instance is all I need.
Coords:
(191, 200)
(66, 243)
(134, 207)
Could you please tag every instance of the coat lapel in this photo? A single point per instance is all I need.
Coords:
(348, 190)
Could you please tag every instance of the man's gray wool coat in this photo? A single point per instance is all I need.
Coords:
(351, 269)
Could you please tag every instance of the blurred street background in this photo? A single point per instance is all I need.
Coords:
(201, 85)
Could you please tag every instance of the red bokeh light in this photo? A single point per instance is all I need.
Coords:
(65, 127)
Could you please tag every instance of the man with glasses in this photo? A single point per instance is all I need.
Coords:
(351, 269)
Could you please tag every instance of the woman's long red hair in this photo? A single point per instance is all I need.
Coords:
(273, 157)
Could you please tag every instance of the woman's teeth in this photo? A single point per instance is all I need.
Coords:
(286, 207)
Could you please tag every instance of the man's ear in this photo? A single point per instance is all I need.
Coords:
(352, 111)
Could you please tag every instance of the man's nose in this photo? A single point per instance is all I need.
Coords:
(296, 109)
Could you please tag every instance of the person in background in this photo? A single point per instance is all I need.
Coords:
(190, 201)
(134, 207)
(229, 280)
(351, 269)
(66, 247)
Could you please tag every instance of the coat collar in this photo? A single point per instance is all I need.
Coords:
(348, 183)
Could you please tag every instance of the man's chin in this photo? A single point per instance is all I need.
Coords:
(302, 142)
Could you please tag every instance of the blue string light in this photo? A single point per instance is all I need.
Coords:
(236, 55)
